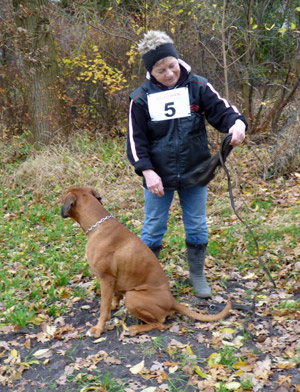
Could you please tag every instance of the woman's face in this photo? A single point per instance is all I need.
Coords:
(167, 71)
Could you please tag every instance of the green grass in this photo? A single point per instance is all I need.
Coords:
(42, 256)
(40, 253)
(291, 305)
(227, 357)
(98, 381)
(222, 244)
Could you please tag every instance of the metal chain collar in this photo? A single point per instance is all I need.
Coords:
(99, 223)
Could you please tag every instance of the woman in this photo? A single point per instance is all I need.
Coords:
(167, 141)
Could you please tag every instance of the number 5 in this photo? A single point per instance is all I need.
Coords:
(169, 109)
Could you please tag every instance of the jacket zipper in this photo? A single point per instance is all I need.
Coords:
(177, 151)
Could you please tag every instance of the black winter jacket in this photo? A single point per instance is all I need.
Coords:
(175, 148)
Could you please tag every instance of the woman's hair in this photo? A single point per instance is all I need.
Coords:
(153, 39)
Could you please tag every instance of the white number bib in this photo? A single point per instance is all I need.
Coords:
(169, 104)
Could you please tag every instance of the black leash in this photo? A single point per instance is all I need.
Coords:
(226, 140)
(206, 172)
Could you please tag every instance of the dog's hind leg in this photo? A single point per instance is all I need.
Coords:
(141, 305)
(136, 329)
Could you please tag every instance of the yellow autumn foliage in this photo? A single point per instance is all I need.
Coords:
(94, 69)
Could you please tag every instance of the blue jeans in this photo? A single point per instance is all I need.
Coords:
(193, 204)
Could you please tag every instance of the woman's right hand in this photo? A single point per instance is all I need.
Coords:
(153, 182)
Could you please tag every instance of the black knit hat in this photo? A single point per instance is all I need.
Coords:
(151, 57)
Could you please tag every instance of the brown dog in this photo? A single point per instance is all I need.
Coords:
(124, 265)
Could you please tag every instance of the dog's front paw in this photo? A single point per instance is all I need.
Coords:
(94, 332)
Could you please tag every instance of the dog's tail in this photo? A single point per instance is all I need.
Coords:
(199, 316)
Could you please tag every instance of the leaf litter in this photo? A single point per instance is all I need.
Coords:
(263, 352)
(256, 348)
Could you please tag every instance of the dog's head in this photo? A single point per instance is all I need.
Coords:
(71, 198)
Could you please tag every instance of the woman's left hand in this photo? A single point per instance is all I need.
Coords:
(238, 133)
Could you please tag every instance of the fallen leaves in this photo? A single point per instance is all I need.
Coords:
(43, 353)
(263, 339)
(89, 363)
(137, 368)
(262, 369)
(173, 355)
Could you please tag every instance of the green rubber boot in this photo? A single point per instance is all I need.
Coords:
(156, 250)
(196, 259)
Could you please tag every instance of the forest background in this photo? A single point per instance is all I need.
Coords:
(66, 70)
(69, 65)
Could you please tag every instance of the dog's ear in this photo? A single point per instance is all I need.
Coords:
(96, 195)
(70, 201)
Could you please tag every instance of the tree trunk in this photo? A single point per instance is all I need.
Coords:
(40, 66)
(224, 51)
(247, 83)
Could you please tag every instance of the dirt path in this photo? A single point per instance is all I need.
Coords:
(252, 350)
